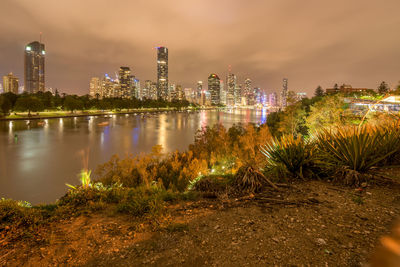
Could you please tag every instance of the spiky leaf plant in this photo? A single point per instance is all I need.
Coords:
(289, 157)
(351, 152)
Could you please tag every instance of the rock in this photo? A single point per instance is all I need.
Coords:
(321, 242)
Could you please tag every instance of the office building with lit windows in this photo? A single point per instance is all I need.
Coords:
(34, 67)
(214, 88)
(10, 83)
(162, 72)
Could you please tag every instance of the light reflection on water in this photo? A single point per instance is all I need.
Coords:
(35, 165)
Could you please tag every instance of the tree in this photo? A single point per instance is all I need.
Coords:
(29, 103)
(383, 88)
(397, 90)
(292, 120)
(336, 87)
(329, 112)
(5, 105)
(319, 91)
(72, 103)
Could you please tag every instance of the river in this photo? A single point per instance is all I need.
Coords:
(38, 158)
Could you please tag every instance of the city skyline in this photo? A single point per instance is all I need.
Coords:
(339, 44)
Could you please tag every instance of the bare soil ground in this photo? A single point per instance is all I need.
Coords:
(309, 224)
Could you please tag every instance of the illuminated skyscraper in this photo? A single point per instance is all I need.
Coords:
(137, 92)
(238, 94)
(34, 67)
(199, 87)
(284, 93)
(214, 88)
(10, 83)
(95, 88)
(146, 89)
(273, 99)
(248, 92)
(126, 82)
(230, 90)
(162, 72)
(222, 93)
(179, 92)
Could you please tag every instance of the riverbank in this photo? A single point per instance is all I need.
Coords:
(63, 114)
(310, 223)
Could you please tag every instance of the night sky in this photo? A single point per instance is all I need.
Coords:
(311, 42)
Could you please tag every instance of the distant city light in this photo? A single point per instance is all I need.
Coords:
(28, 48)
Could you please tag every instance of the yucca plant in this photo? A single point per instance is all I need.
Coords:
(289, 157)
(352, 151)
(85, 179)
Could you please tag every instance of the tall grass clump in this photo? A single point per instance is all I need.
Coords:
(289, 157)
(351, 152)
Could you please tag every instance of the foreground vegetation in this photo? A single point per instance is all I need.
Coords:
(233, 162)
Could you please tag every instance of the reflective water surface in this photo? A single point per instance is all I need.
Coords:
(37, 158)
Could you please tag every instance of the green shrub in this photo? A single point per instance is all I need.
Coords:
(350, 152)
(140, 201)
(17, 213)
(289, 157)
(212, 183)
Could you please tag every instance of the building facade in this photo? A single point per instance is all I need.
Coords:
(10, 83)
(230, 89)
(34, 78)
(95, 88)
(126, 81)
(214, 88)
(284, 93)
(162, 72)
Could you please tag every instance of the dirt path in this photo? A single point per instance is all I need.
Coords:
(315, 224)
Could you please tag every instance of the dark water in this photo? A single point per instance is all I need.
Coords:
(36, 165)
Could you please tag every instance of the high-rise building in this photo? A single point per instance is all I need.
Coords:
(273, 99)
(199, 91)
(238, 94)
(214, 88)
(188, 94)
(179, 92)
(248, 92)
(137, 92)
(10, 83)
(162, 72)
(95, 88)
(153, 91)
(222, 93)
(109, 87)
(230, 90)
(125, 82)
(257, 95)
(284, 93)
(146, 89)
(34, 67)
(172, 92)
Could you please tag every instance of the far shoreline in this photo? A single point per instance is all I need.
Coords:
(72, 115)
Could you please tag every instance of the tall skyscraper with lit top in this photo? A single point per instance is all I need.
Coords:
(162, 72)
(34, 67)
(214, 88)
